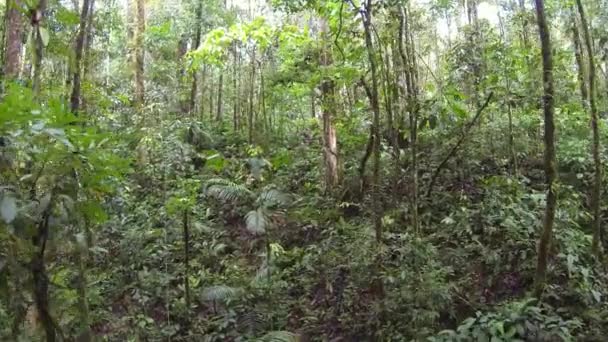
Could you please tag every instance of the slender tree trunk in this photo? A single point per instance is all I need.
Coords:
(263, 101)
(41, 279)
(367, 23)
(187, 264)
(328, 109)
(78, 52)
(407, 52)
(235, 86)
(578, 54)
(87, 48)
(549, 141)
(37, 16)
(13, 32)
(197, 44)
(220, 90)
(86, 334)
(140, 54)
(203, 87)
(182, 49)
(251, 97)
(597, 162)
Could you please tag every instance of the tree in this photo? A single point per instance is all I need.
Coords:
(330, 139)
(595, 151)
(139, 98)
(13, 39)
(549, 141)
(78, 53)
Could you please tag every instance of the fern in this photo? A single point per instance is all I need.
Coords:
(257, 221)
(280, 336)
(220, 293)
(226, 191)
(271, 197)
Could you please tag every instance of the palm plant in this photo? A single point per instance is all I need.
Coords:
(264, 205)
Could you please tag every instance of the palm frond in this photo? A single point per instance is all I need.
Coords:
(253, 321)
(220, 293)
(257, 221)
(225, 190)
(280, 336)
(272, 197)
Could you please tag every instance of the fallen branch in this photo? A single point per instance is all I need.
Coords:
(459, 143)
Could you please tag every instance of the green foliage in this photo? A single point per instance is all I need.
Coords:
(517, 321)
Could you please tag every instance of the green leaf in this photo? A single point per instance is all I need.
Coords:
(256, 221)
(44, 35)
(8, 208)
(220, 293)
(280, 336)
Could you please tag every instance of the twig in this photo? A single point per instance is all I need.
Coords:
(455, 148)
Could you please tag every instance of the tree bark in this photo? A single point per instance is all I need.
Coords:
(408, 59)
(37, 16)
(549, 142)
(597, 162)
(220, 90)
(13, 45)
(578, 54)
(87, 49)
(367, 23)
(140, 54)
(197, 44)
(328, 107)
(78, 52)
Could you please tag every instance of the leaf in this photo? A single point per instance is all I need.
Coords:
(44, 35)
(280, 336)
(220, 293)
(256, 221)
(8, 208)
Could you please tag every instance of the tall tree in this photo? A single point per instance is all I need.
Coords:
(375, 104)
(597, 162)
(78, 53)
(197, 43)
(40, 34)
(549, 141)
(140, 53)
(328, 108)
(13, 39)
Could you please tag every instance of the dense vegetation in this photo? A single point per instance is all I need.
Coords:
(303, 170)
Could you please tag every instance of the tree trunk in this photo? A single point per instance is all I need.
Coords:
(578, 54)
(408, 59)
(78, 52)
(140, 54)
(549, 141)
(597, 162)
(186, 236)
(37, 16)
(182, 50)
(197, 44)
(41, 279)
(13, 33)
(220, 90)
(87, 49)
(376, 196)
(328, 107)
(235, 86)
(251, 98)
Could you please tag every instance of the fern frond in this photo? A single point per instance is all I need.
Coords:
(226, 191)
(257, 221)
(280, 336)
(253, 321)
(220, 293)
(272, 197)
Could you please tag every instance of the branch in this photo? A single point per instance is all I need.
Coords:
(460, 141)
